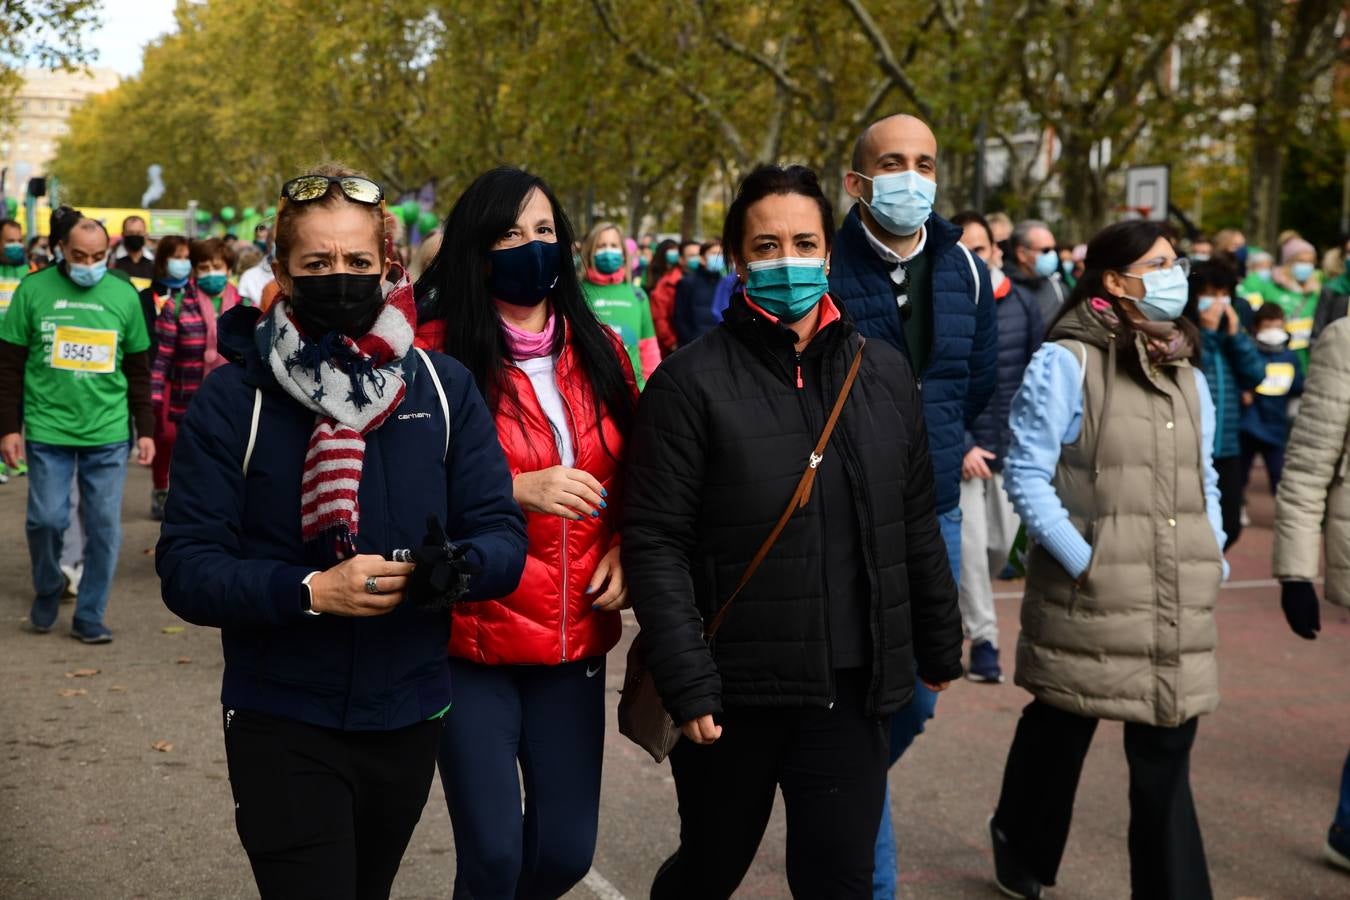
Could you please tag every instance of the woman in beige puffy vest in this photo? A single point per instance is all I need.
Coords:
(1315, 498)
(1111, 471)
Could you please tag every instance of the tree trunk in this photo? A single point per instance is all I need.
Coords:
(689, 211)
(1263, 187)
(1082, 200)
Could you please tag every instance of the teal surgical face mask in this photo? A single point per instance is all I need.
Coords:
(1302, 271)
(901, 201)
(608, 261)
(786, 288)
(88, 276)
(212, 284)
(716, 262)
(178, 269)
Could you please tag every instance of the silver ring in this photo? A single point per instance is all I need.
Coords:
(372, 585)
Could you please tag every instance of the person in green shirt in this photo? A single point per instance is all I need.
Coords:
(1335, 300)
(74, 347)
(1296, 286)
(617, 301)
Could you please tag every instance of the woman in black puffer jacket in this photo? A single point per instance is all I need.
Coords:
(822, 645)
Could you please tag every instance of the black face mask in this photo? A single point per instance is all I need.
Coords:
(339, 302)
(134, 243)
(524, 275)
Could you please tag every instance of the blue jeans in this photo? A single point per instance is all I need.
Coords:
(101, 473)
(907, 724)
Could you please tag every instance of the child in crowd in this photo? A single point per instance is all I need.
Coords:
(1264, 428)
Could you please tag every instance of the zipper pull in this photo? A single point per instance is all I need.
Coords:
(799, 372)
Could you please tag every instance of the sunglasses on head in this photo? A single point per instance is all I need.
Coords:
(313, 187)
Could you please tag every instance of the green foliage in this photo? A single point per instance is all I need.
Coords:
(636, 108)
(45, 33)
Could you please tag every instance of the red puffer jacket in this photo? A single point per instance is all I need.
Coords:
(549, 620)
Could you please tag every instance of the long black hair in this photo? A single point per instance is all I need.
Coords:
(1114, 249)
(454, 288)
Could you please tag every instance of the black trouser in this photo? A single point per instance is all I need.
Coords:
(324, 813)
(1232, 485)
(1167, 855)
(831, 766)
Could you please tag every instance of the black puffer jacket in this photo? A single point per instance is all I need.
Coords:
(723, 434)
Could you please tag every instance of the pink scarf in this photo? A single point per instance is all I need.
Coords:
(524, 345)
(595, 277)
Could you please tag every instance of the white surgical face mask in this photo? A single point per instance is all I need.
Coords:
(1272, 337)
(901, 201)
(1165, 294)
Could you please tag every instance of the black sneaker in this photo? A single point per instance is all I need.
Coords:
(1338, 848)
(91, 634)
(28, 625)
(984, 665)
(1009, 874)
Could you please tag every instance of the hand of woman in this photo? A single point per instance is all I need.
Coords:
(702, 730)
(342, 590)
(560, 491)
(615, 596)
(975, 464)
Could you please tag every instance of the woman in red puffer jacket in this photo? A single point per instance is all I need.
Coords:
(528, 668)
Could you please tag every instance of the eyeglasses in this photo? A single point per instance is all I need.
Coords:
(312, 187)
(1162, 262)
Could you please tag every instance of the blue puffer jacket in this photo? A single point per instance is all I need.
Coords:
(963, 365)
(1267, 419)
(1020, 331)
(1232, 364)
(230, 554)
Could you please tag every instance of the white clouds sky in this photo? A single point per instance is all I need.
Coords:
(125, 27)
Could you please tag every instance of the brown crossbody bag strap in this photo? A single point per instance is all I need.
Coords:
(799, 498)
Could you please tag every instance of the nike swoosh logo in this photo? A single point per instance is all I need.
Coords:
(591, 673)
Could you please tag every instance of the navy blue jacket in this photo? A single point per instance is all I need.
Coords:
(1267, 418)
(1232, 364)
(694, 296)
(963, 364)
(1020, 330)
(230, 553)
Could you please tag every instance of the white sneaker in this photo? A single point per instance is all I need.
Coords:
(72, 574)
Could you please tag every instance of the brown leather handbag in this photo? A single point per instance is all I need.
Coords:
(642, 716)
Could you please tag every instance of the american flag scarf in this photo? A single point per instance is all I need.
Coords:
(353, 386)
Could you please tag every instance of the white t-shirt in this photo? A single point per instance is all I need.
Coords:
(543, 377)
(252, 282)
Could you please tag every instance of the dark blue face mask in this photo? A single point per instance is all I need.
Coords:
(524, 275)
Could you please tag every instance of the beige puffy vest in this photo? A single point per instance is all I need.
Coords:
(1134, 639)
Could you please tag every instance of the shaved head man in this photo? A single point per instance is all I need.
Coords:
(906, 280)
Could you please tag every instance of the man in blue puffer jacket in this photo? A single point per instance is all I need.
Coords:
(903, 275)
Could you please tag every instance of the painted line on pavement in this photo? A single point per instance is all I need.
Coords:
(601, 887)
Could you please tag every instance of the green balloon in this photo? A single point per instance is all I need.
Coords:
(249, 212)
(11, 206)
(408, 212)
(227, 214)
(427, 222)
(203, 216)
(271, 212)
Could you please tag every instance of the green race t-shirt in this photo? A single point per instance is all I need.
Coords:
(10, 276)
(74, 392)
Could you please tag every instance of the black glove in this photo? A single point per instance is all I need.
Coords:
(443, 570)
(1299, 601)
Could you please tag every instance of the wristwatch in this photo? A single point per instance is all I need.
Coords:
(306, 597)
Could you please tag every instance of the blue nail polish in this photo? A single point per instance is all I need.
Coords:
(604, 505)
(604, 493)
(595, 606)
(590, 590)
(595, 513)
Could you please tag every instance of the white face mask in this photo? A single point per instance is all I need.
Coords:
(1272, 337)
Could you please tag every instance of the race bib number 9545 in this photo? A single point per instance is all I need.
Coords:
(89, 350)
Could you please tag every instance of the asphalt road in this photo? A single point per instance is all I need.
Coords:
(89, 809)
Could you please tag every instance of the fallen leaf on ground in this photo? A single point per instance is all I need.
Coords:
(184, 660)
(172, 629)
(117, 687)
(82, 673)
(149, 551)
(72, 692)
(161, 746)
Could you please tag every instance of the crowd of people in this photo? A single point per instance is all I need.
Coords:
(414, 491)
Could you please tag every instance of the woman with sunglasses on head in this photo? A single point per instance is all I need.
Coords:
(618, 302)
(300, 470)
(185, 339)
(1111, 471)
(805, 665)
(502, 297)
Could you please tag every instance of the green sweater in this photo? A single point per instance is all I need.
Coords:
(624, 308)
